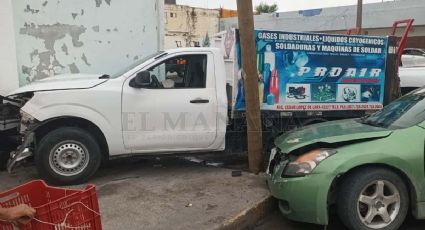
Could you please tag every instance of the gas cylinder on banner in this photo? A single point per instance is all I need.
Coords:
(261, 91)
(270, 57)
(274, 86)
(240, 97)
(266, 79)
(270, 99)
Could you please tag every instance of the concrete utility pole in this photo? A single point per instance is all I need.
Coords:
(359, 14)
(250, 76)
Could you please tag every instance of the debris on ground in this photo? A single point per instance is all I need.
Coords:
(236, 173)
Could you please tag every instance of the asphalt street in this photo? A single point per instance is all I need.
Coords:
(276, 221)
(187, 192)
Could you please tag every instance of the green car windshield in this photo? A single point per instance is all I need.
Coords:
(405, 112)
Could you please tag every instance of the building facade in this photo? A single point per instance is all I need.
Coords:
(42, 38)
(377, 20)
(187, 26)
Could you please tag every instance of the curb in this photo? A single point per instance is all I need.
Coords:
(249, 217)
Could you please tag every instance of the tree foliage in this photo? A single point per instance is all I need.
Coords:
(206, 41)
(265, 8)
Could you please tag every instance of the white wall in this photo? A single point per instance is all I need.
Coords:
(8, 65)
(375, 15)
(185, 24)
(81, 36)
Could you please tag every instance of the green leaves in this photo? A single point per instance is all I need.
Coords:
(265, 8)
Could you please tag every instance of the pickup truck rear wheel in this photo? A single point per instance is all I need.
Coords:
(373, 198)
(67, 155)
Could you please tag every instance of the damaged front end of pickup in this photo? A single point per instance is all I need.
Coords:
(25, 149)
(16, 130)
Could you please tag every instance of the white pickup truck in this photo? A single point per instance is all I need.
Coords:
(172, 101)
(192, 100)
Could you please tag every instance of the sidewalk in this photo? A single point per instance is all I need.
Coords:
(172, 193)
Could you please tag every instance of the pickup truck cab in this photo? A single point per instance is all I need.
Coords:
(170, 102)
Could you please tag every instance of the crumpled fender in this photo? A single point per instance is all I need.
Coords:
(23, 152)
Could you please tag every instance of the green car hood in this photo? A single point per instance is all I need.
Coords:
(329, 132)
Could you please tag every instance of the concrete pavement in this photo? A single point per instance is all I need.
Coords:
(276, 221)
(173, 193)
(185, 193)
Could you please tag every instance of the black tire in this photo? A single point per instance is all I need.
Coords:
(352, 187)
(4, 156)
(7, 144)
(64, 135)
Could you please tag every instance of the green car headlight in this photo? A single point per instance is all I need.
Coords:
(306, 163)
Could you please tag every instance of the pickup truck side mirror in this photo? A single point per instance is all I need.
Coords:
(142, 80)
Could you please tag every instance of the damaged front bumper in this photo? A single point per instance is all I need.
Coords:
(303, 199)
(13, 118)
(23, 152)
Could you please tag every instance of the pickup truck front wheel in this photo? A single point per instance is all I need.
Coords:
(67, 155)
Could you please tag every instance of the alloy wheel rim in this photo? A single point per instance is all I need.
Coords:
(69, 158)
(379, 204)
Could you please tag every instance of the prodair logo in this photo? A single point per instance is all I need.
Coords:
(339, 72)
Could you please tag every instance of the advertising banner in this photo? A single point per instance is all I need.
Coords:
(307, 71)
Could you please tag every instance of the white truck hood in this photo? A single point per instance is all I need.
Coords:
(62, 82)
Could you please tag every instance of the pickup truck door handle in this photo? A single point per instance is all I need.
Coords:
(199, 101)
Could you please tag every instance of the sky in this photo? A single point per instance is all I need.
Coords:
(284, 5)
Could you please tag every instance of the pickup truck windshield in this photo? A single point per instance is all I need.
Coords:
(405, 112)
(135, 64)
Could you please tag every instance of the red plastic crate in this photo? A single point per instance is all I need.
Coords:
(63, 209)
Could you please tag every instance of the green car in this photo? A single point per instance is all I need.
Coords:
(369, 170)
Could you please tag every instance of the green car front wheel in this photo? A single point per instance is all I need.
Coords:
(373, 198)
